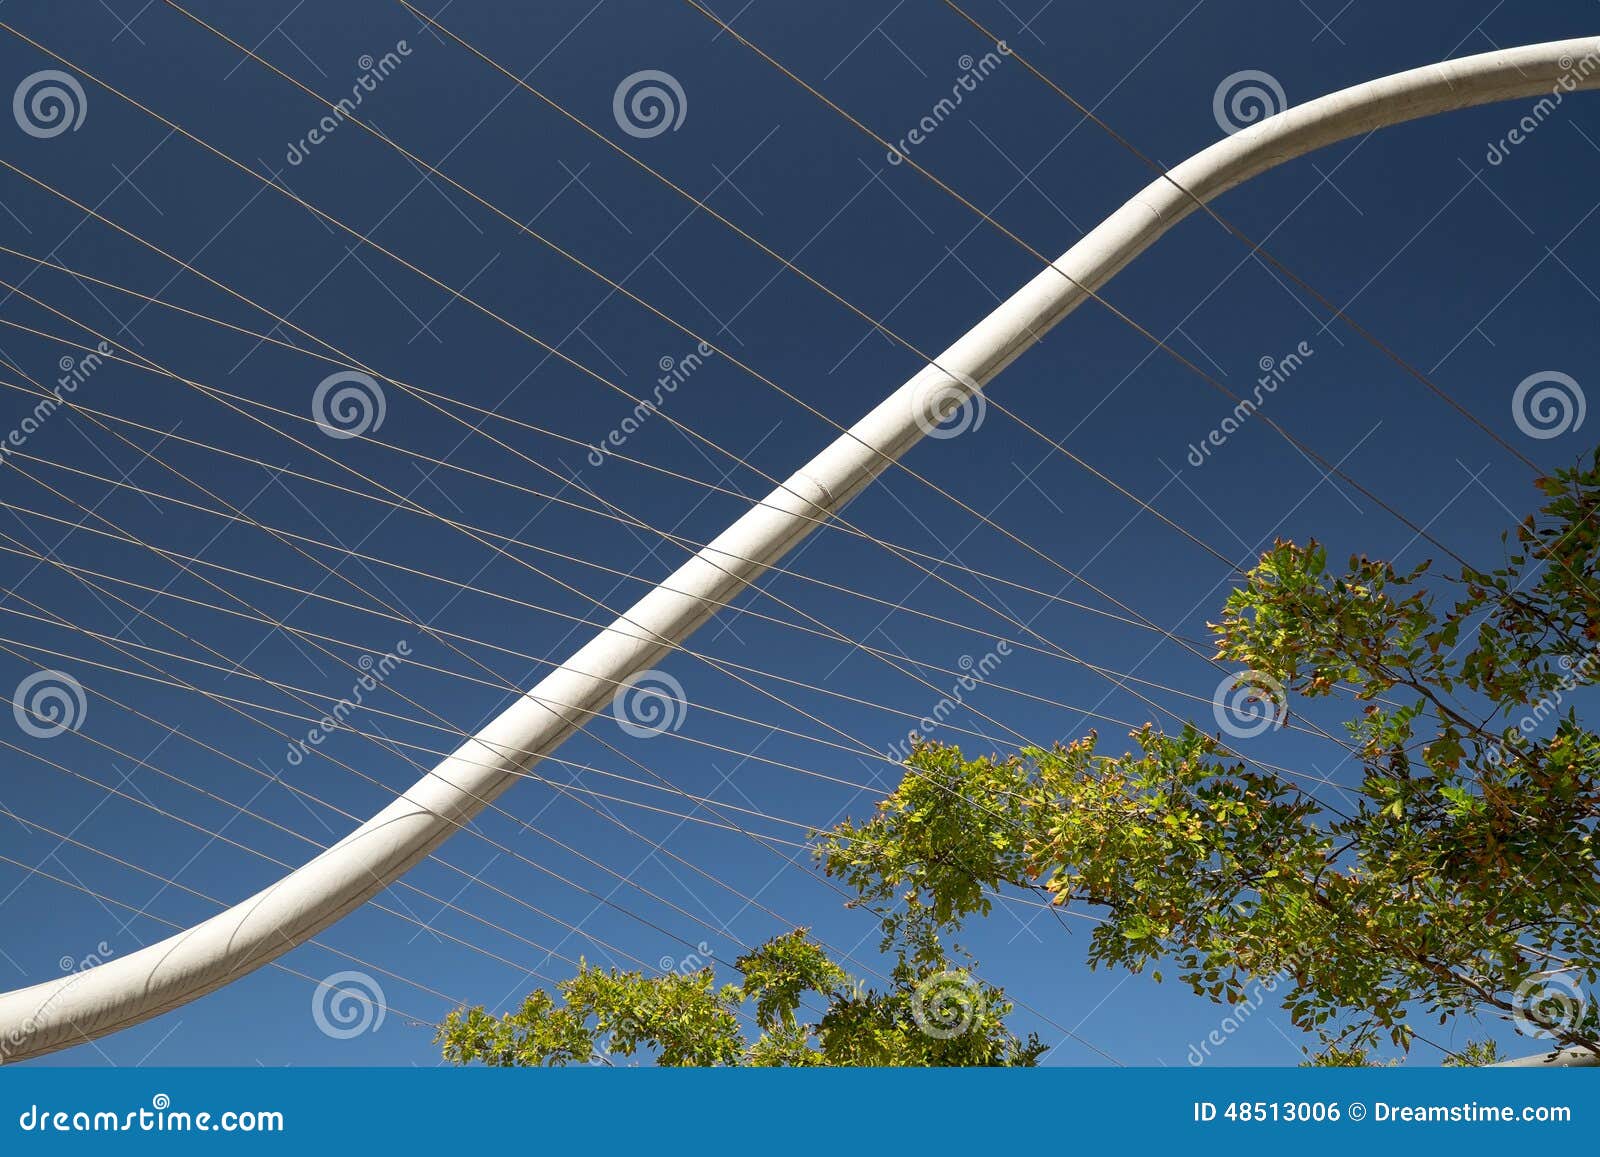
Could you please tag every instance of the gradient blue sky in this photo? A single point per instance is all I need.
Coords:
(1480, 274)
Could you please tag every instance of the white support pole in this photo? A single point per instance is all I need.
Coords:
(1559, 1059)
(133, 988)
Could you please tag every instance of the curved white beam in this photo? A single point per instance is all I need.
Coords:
(133, 988)
(1559, 1059)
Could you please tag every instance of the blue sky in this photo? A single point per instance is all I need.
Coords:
(1478, 273)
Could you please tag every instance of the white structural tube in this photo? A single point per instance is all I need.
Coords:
(1558, 1059)
(134, 988)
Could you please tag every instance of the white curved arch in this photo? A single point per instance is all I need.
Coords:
(162, 976)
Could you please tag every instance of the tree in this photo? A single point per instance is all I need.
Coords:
(1461, 881)
(928, 1016)
(1475, 1054)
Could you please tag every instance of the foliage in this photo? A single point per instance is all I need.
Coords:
(1353, 1057)
(932, 1016)
(1475, 1054)
(1460, 881)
